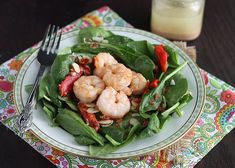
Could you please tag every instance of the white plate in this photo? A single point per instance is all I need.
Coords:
(173, 130)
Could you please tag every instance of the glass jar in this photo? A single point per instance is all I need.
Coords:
(177, 19)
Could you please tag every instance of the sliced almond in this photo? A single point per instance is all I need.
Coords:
(90, 104)
(76, 67)
(135, 115)
(98, 38)
(133, 121)
(133, 105)
(92, 110)
(73, 73)
(106, 122)
(172, 83)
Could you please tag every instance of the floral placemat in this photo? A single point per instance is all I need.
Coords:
(217, 118)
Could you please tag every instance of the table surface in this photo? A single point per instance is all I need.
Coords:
(23, 23)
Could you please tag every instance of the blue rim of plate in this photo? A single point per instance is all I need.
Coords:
(156, 147)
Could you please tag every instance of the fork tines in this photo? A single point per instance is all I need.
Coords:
(51, 39)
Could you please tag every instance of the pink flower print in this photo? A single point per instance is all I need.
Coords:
(103, 9)
(200, 122)
(228, 96)
(150, 159)
(205, 77)
(41, 147)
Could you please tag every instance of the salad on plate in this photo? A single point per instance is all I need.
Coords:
(108, 90)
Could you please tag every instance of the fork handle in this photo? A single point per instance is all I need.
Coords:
(24, 120)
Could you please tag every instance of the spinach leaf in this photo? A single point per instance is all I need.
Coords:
(59, 69)
(152, 100)
(65, 51)
(118, 132)
(108, 148)
(117, 40)
(176, 91)
(115, 132)
(50, 106)
(112, 141)
(43, 87)
(163, 120)
(69, 102)
(170, 110)
(143, 47)
(185, 99)
(84, 140)
(49, 113)
(153, 127)
(54, 94)
(73, 123)
(183, 102)
(173, 59)
(91, 32)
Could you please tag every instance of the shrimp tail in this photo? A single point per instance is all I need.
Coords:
(88, 117)
(66, 86)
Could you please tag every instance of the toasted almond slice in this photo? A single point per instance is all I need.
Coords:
(90, 105)
(76, 67)
(98, 38)
(135, 115)
(133, 121)
(92, 110)
(106, 122)
(172, 83)
(107, 125)
(73, 73)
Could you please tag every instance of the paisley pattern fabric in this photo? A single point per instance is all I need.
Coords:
(217, 119)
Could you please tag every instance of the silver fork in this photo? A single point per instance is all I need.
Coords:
(46, 55)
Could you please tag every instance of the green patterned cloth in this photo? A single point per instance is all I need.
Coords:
(217, 118)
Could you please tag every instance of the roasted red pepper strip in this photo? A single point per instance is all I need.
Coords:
(88, 117)
(66, 85)
(86, 69)
(153, 84)
(162, 56)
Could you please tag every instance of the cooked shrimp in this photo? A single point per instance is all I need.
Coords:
(87, 88)
(104, 59)
(100, 72)
(117, 76)
(127, 91)
(113, 104)
(138, 83)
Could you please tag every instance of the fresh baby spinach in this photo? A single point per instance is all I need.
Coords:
(143, 47)
(152, 99)
(152, 128)
(74, 124)
(59, 69)
(84, 140)
(69, 102)
(108, 147)
(43, 87)
(173, 59)
(177, 90)
(89, 34)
